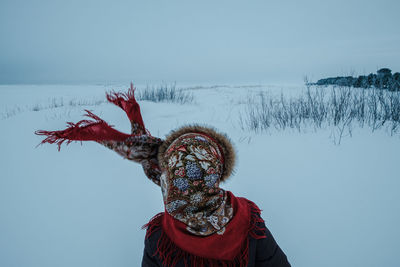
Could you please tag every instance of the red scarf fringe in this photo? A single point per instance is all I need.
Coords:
(128, 103)
(256, 231)
(170, 254)
(84, 130)
(97, 129)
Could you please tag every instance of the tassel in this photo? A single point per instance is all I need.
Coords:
(128, 103)
(153, 225)
(256, 231)
(84, 130)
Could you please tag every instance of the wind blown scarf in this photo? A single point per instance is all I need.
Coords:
(139, 146)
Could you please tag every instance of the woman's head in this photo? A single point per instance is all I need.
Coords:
(194, 160)
(219, 140)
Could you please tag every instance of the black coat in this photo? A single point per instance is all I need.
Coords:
(263, 252)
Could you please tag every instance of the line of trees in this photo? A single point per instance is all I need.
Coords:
(384, 79)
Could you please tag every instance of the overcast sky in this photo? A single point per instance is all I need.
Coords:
(207, 41)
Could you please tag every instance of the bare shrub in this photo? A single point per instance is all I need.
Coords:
(318, 107)
(165, 93)
(52, 103)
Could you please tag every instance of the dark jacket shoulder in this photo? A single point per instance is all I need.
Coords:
(265, 252)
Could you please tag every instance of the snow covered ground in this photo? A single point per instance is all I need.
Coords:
(327, 205)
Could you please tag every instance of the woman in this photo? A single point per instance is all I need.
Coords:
(203, 225)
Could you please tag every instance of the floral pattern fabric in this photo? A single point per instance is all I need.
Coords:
(190, 184)
(142, 149)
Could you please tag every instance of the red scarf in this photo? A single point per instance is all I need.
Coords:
(229, 249)
(98, 130)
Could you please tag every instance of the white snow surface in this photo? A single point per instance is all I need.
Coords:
(326, 204)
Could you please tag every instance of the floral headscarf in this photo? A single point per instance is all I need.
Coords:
(190, 184)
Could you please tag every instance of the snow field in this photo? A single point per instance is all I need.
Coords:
(326, 205)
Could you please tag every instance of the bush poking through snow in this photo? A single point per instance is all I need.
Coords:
(52, 103)
(165, 93)
(319, 107)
